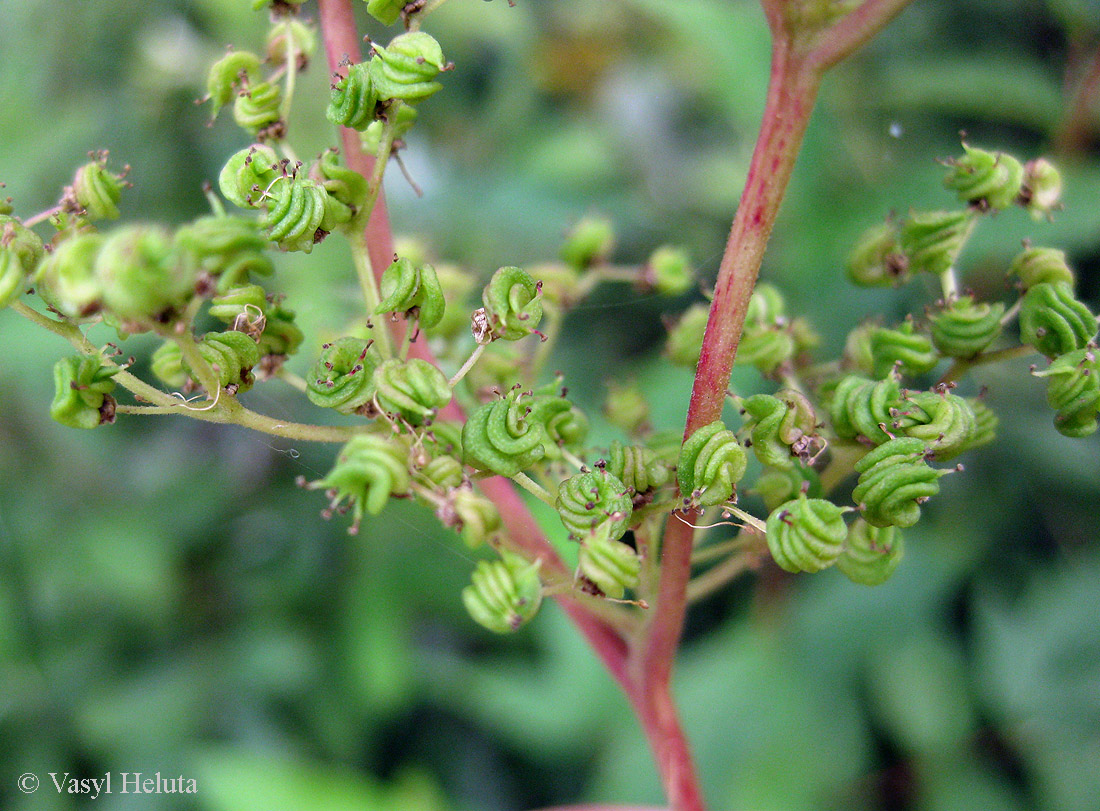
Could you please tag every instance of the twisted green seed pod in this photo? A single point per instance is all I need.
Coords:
(227, 249)
(894, 480)
(1073, 390)
(962, 327)
(414, 389)
(777, 486)
(503, 594)
(871, 554)
(942, 421)
(782, 428)
(287, 32)
(96, 191)
(985, 424)
(904, 347)
(342, 184)
(608, 564)
(257, 110)
(456, 285)
(406, 287)
(369, 469)
(167, 365)
(343, 377)
(82, 392)
(1042, 189)
(932, 240)
(765, 347)
(247, 303)
(231, 355)
(711, 463)
(857, 348)
(565, 429)
(637, 467)
(509, 435)
(400, 121)
(985, 179)
(140, 276)
(685, 339)
(353, 102)
(1053, 321)
(20, 251)
(592, 498)
(859, 407)
(405, 68)
(806, 534)
(668, 270)
(228, 74)
(247, 174)
(442, 472)
(281, 336)
(513, 304)
(295, 211)
(1038, 265)
(475, 517)
(877, 259)
(588, 243)
(386, 12)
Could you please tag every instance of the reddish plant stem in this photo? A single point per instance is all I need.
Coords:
(342, 44)
(1080, 121)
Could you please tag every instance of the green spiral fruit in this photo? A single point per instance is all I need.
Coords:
(445, 437)
(369, 469)
(232, 355)
(412, 290)
(400, 121)
(82, 392)
(442, 472)
(589, 499)
(20, 251)
(986, 179)
(509, 435)
(806, 534)
(247, 175)
(1053, 321)
(637, 467)
(343, 377)
(1042, 189)
(405, 68)
(857, 348)
(877, 259)
(565, 429)
(257, 110)
(765, 347)
(503, 594)
(414, 390)
(607, 563)
(343, 185)
(281, 336)
(904, 347)
(871, 554)
(668, 270)
(456, 285)
(228, 74)
(475, 517)
(860, 407)
(588, 243)
(513, 304)
(711, 463)
(766, 306)
(776, 486)
(386, 12)
(932, 240)
(96, 191)
(296, 208)
(167, 365)
(962, 327)
(248, 303)
(353, 102)
(944, 422)
(985, 424)
(1038, 265)
(894, 480)
(227, 249)
(685, 339)
(782, 427)
(141, 278)
(1073, 390)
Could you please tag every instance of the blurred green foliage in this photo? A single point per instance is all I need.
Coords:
(170, 602)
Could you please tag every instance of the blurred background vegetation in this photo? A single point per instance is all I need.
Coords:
(170, 602)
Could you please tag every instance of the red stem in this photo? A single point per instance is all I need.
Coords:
(1079, 123)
